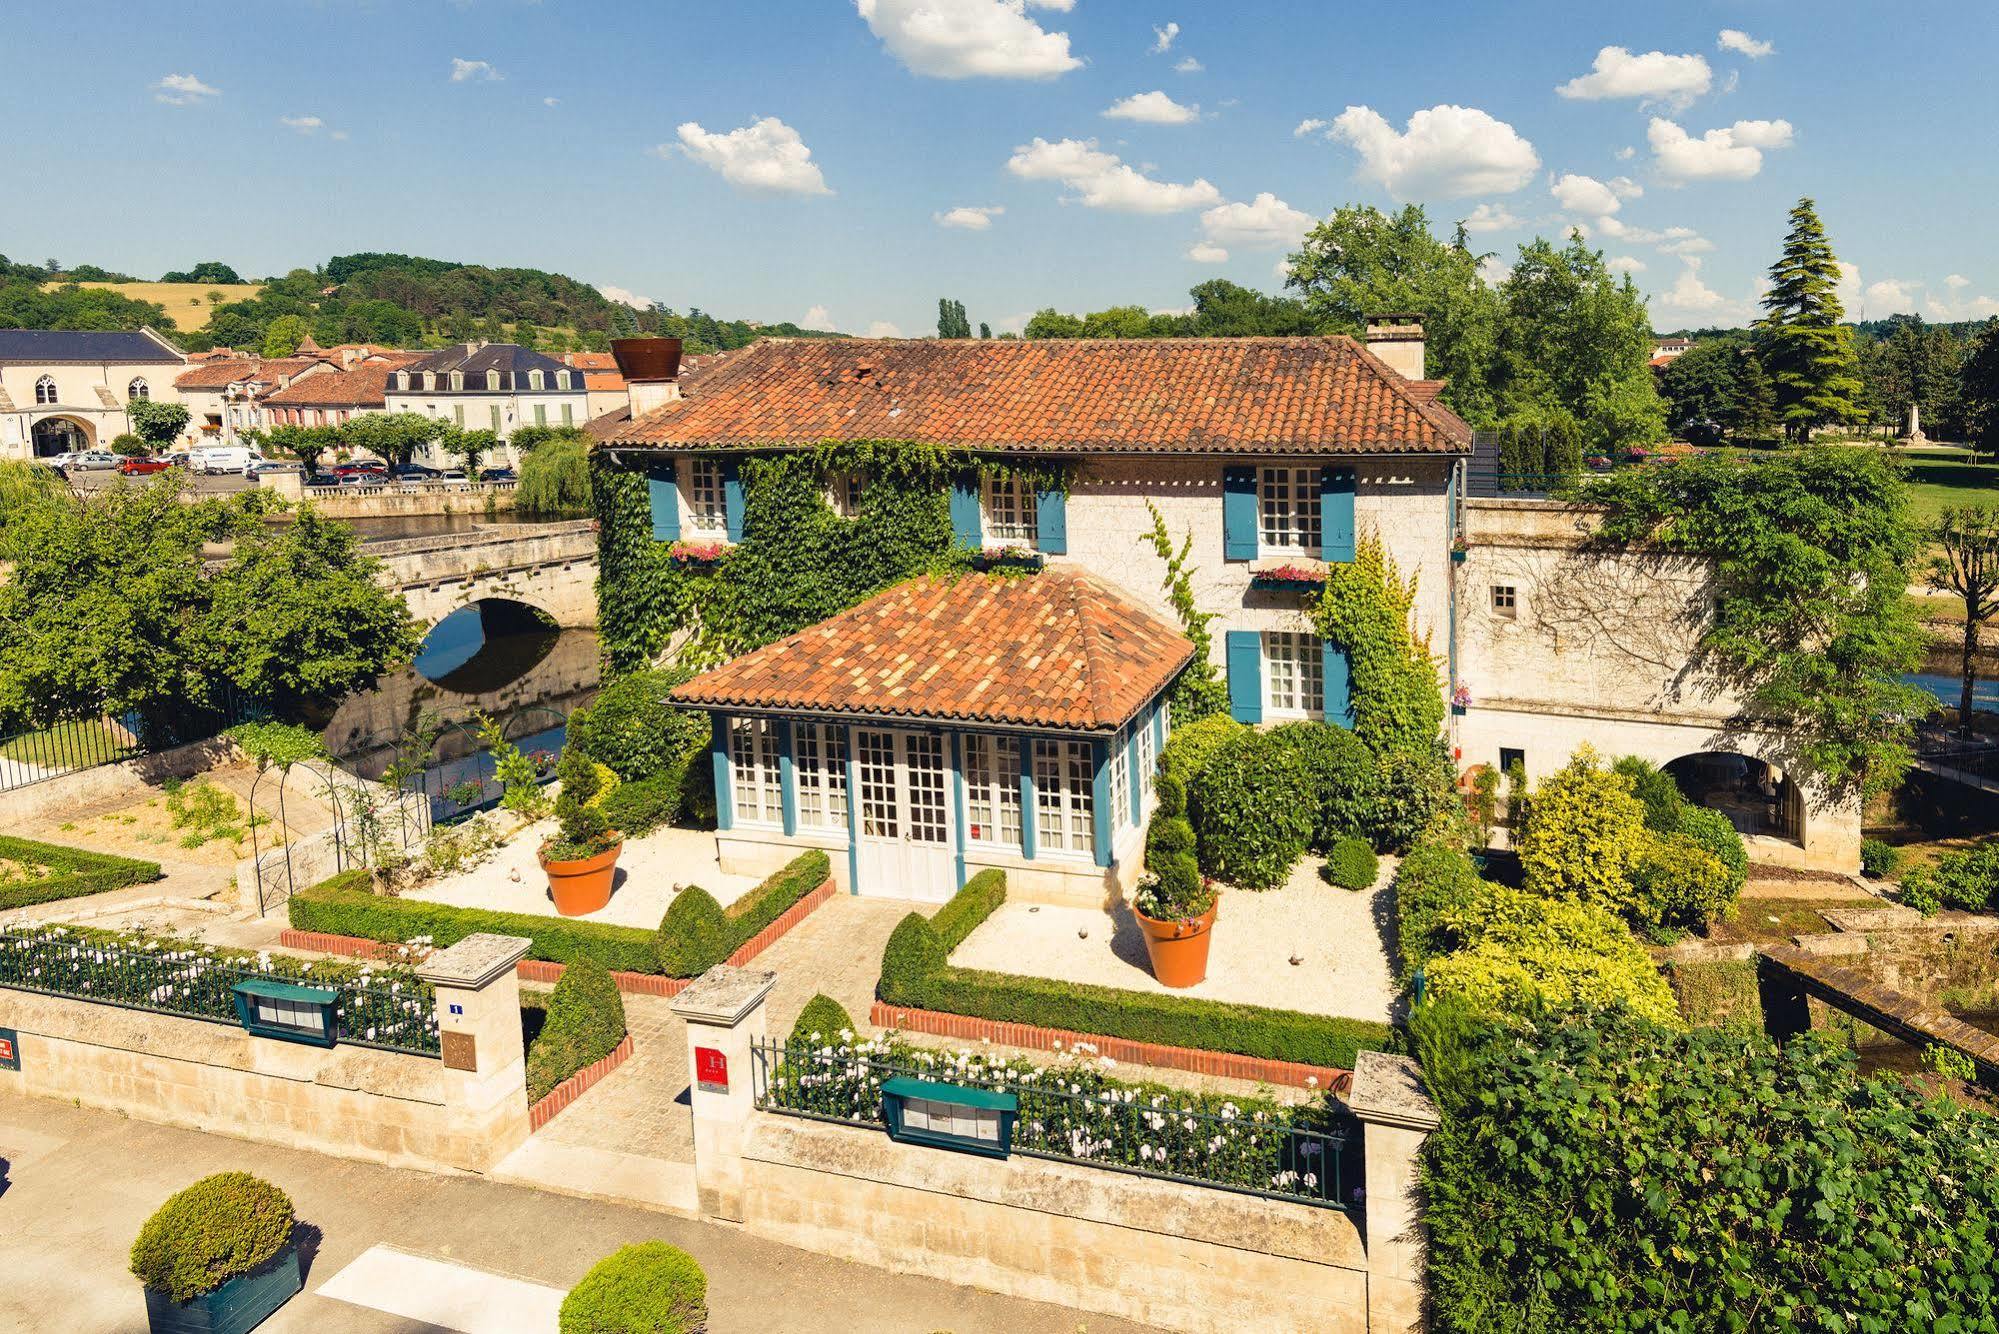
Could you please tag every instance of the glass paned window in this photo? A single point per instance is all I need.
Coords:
(821, 775)
(1294, 672)
(138, 389)
(1290, 509)
(992, 790)
(1148, 755)
(753, 773)
(1010, 512)
(924, 754)
(704, 494)
(1120, 784)
(1065, 819)
(496, 417)
(541, 414)
(843, 493)
(879, 817)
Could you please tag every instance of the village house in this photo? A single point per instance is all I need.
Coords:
(330, 394)
(497, 387)
(943, 726)
(603, 382)
(224, 396)
(64, 390)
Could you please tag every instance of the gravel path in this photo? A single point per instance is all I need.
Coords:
(1335, 934)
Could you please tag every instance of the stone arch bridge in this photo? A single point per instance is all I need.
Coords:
(550, 568)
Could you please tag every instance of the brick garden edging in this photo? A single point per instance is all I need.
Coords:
(540, 970)
(1225, 1064)
(574, 1087)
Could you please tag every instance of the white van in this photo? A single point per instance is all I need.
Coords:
(222, 458)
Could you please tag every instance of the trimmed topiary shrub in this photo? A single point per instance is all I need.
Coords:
(1712, 831)
(586, 1022)
(980, 897)
(650, 1288)
(631, 727)
(694, 935)
(222, 1227)
(1167, 836)
(49, 871)
(1250, 826)
(1584, 831)
(1521, 953)
(822, 1020)
(1345, 780)
(1879, 860)
(1352, 864)
(1679, 883)
(1171, 794)
(1190, 748)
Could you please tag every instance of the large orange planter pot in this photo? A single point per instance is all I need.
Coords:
(585, 886)
(1179, 949)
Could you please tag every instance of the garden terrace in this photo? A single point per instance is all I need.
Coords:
(32, 872)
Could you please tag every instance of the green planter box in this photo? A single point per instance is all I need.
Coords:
(236, 1307)
(284, 1010)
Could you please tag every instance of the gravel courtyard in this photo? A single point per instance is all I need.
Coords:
(1335, 934)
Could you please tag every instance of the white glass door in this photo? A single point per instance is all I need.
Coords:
(905, 849)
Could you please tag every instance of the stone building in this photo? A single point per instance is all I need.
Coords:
(65, 390)
(497, 387)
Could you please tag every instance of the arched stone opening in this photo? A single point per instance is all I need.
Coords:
(62, 435)
(1759, 798)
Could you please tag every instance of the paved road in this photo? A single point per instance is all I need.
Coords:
(81, 1182)
(217, 484)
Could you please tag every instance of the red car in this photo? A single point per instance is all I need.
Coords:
(142, 467)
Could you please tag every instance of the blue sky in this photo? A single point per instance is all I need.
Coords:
(850, 161)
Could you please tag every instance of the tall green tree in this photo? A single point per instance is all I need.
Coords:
(1578, 341)
(1802, 337)
(1362, 262)
(284, 334)
(1756, 397)
(158, 422)
(1978, 388)
(1704, 384)
(951, 319)
(1964, 559)
(393, 436)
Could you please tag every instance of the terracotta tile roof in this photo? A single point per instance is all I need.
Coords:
(222, 374)
(1145, 395)
(1053, 649)
(592, 361)
(360, 386)
(1426, 391)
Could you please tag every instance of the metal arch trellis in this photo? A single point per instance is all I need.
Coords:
(369, 823)
(448, 781)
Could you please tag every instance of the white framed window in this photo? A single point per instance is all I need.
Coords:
(1505, 601)
(753, 773)
(820, 771)
(458, 415)
(1120, 783)
(705, 506)
(992, 790)
(881, 812)
(562, 379)
(1294, 674)
(403, 381)
(541, 414)
(534, 380)
(430, 379)
(1148, 756)
(1289, 509)
(568, 414)
(1010, 509)
(138, 389)
(45, 389)
(1064, 797)
(495, 412)
(492, 382)
(457, 380)
(843, 493)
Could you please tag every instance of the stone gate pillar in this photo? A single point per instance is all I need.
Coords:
(485, 1067)
(724, 1010)
(1397, 1116)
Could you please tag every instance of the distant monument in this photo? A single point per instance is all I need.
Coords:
(1916, 436)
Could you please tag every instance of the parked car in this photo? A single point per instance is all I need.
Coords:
(266, 467)
(498, 475)
(136, 467)
(360, 478)
(91, 460)
(361, 467)
(209, 459)
(321, 479)
(413, 472)
(449, 475)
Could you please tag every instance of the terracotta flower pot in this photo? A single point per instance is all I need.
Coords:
(1179, 949)
(584, 886)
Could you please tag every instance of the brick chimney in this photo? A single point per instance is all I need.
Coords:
(1398, 340)
(651, 367)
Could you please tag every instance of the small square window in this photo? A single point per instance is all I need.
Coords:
(1511, 759)
(1505, 602)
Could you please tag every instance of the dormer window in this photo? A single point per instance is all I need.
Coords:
(562, 379)
(430, 379)
(492, 381)
(138, 389)
(457, 380)
(534, 380)
(403, 380)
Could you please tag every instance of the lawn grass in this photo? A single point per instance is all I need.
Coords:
(186, 303)
(68, 745)
(1937, 480)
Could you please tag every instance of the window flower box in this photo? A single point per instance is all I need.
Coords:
(696, 553)
(1460, 699)
(1460, 548)
(1288, 576)
(1010, 558)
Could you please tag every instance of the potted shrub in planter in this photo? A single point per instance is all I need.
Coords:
(1460, 548)
(1175, 907)
(218, 1257)
(581, 860)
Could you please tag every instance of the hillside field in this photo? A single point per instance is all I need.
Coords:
(187, 303)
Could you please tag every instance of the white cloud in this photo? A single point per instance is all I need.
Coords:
(1491, 218)
(1162, 38)
(1188, 65)
(964, 39)
(1206, 252)
(1729, 153)
(818, 318)
(1848, 290)
(303, 124)
(1889, 296)
(1492, 270)
(1625, 154)
(1684, 241)
(1740, 42)
(1153, 108)
(1446, 151)
(1673, 81)
(551, 101)
(1624, 187)
(971, 218)
(1585, 195)
(1956, 282)
(883, 329)
(1625, 264)
(183, 90)
(338, 134)
(473, 71)
(624, 296)
(1309, 125)
(1104, 180)
(765, 157)
(1690, 297)
(1265, 223)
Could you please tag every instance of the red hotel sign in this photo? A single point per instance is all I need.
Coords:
(10, 1054)
(711, 1070)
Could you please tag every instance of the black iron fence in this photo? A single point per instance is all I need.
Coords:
(39, 754)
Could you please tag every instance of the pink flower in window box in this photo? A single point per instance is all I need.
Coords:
(696, 553)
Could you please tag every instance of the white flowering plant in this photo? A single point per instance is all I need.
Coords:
(382, 1004)
(1074, 1108)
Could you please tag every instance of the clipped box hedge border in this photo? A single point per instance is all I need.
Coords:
(916, 974)
(74, 872)
(686, 944)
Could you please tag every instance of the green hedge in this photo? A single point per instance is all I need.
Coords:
(694, 936)
(1435, 879)
(72, 872)
(585, 1023)
(916, 973)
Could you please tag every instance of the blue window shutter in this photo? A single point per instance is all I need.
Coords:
(853, 813)
(1239, 526)
(1051, 517)
(1336, 524)
(1138, 776)
(787, 778)
(966, 530)
(725, 798)
(663, 494)
(732, 499)
(1339, 684)
(1100, 799)
(1030, 821)
(1245, 653)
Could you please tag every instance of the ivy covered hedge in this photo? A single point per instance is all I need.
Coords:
(33, 872)
(916, 972)
(695, 934)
